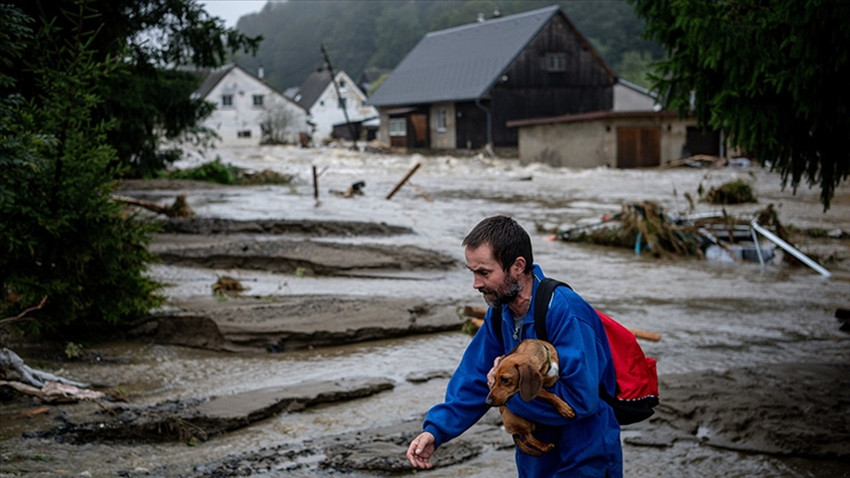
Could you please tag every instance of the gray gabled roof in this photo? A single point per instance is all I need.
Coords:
(461, 63)
(314, 86)
(212, 78)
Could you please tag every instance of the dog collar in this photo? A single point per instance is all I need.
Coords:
(552, 371)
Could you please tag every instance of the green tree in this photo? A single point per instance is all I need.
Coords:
(770, 74)
(62, 237)
(155, 41)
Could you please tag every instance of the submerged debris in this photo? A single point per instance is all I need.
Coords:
(733, 192)
(644, 226)
(226, 285)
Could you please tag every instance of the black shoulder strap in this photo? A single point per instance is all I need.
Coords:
(541, 307)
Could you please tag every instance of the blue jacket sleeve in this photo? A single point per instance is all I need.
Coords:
(574, 329)
(466, 394)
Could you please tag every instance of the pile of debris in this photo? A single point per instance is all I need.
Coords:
(646, 227)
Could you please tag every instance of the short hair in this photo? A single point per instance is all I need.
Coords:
(507, 239)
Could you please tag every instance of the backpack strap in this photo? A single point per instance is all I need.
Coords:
(541, 305)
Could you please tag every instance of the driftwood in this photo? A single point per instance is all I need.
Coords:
(13, 367)
(48, 388)
(180, 208)
(475, 316)
(715, 161)
(403, 180)
(54, 392)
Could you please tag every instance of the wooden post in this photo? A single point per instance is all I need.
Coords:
(404, 180)
(315, 184)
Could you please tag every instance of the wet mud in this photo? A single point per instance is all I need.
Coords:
(326, 377)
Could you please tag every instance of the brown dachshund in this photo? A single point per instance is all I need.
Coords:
(532, 365)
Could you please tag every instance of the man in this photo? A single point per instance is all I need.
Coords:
(498, 252)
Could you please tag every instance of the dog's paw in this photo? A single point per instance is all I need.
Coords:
(566, 411)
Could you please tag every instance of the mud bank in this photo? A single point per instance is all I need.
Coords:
(294, 323)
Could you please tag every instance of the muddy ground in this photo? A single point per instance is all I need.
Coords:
(800, 412)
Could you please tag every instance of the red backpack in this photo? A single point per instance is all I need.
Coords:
(637, 378)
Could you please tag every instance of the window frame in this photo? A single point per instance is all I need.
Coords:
(393, 126)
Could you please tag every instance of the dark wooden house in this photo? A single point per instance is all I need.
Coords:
(459, 87)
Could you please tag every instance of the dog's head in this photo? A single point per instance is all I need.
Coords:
(513, 376)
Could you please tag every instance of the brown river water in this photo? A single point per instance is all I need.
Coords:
(712, 316)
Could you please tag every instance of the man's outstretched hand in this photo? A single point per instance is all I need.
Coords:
(420, 450)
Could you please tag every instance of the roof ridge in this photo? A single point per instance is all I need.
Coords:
(492, 21)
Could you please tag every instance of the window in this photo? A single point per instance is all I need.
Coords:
(258, 100)
(245, 133)
(441, 120)
(342, 103)
(226, 100)
(341, 84)
(556, 62)
(398, 127)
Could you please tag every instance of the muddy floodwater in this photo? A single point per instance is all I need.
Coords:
(752, 364)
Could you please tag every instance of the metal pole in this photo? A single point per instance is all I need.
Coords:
(790, 249)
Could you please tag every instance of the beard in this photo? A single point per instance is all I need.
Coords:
(495, 298)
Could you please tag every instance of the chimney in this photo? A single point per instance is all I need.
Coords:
(480, 18)
(260, 72)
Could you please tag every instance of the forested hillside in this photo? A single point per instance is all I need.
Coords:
(377, 34)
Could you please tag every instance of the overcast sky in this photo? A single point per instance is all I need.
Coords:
(231, 10)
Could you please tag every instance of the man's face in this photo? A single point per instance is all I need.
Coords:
(497, 285)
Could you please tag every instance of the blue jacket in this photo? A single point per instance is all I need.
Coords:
(588, 445)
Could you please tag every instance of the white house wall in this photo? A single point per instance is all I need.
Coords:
(239, 123)
(326, 113)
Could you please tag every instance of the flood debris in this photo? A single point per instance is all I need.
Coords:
(732, 192)
(642, 226)
(356, 189)
(646, 227)
(405, 179)
(696, 161)
(227, 286)
(180, 208)
(45, 386)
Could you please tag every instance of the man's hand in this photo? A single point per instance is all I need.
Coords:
(491, 375)
(420, 450)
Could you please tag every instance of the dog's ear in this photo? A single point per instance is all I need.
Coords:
(530, 381)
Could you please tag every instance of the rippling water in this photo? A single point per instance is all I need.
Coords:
(711, 316)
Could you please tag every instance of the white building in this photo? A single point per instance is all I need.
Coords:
(250, 112)
(328, 109)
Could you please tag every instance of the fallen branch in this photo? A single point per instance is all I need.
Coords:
(403, 180)
(22, 315)
(179, 209)
(54, 392)
(13, 367)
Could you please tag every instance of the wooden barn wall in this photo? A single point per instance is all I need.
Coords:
(530, 91)
(471, 126)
